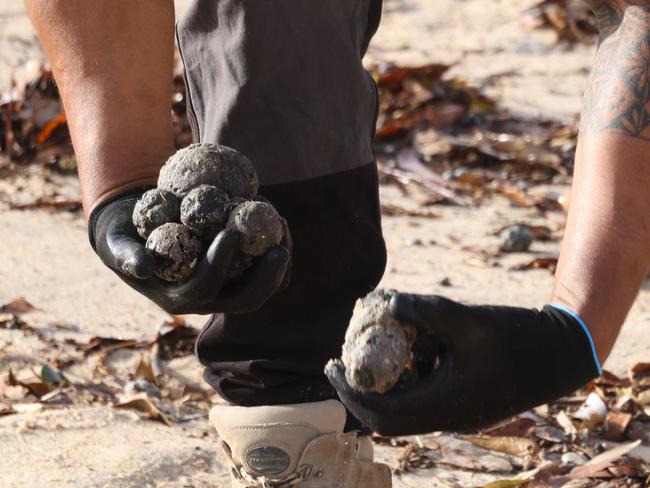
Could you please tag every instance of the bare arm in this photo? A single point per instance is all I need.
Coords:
(113, 63)
(606, 250)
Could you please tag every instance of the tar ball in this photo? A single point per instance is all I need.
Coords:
(175, 250)
(376, 358)
(209, 164)
(516, 238)
(239, 175)
(377, 347)
(195, 165)
(204, 211)
(155, 208)
(259, 224)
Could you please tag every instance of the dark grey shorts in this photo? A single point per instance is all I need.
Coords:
(282, 81)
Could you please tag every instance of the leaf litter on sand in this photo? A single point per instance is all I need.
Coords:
(434, 132)
(52, 379)
(598, 435)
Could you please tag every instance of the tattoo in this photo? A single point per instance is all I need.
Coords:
(618, 96)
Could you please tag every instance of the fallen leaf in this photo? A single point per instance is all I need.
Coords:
(538, 263)
(176, 341)
(515, 446)
(17, 306)
(54, 203)
(146, 407)
(464, 454)
(564, 421)
(616, 423)
(109, 344)
(602, 461)
(145, 371)
(518, 427)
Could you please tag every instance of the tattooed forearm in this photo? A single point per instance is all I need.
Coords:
(618, 95)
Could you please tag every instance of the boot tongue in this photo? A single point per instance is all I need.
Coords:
(269, 440)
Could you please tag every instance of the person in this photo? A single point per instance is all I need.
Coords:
(494, 362)
(283, 83)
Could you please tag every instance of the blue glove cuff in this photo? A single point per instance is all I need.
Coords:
(585, 328)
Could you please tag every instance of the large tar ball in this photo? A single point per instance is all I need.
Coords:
(376, 358)
(239, 175)
(209, 164)
(176, 251)
(377, 347)
(259, 224)
(155, 208)
(204, 211)
(197, 164)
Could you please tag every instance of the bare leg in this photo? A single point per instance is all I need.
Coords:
(113, 62)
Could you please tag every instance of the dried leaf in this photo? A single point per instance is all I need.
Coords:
(538, 263)
(54, 203)
(515, 481)
(408, 160)
(17, 306)
(564, 421)
(518, 427)
(466, 455)
(109, 344)
(616, 423)
(146, 407)
(145, 371)
(515, 446)
(602, 461)
(176, 340)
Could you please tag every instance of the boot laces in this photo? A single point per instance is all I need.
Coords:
(263, 482)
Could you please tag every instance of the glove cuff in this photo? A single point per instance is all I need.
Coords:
(97, 211)
(578, 319)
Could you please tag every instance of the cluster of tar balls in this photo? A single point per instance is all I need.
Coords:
(203, 189)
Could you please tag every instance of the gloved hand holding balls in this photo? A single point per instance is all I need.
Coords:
(203, 189)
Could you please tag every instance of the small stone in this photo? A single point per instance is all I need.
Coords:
(260, 226)
(516, 238)
(176, 251)
(204, 211)
(445, 281)
(377, 347)
(153, 209)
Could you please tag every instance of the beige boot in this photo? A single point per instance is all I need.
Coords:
(299, 445)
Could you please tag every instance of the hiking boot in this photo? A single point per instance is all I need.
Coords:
(300, 445)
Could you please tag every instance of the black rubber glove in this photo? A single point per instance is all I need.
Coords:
(119, 246)
(492, 363)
